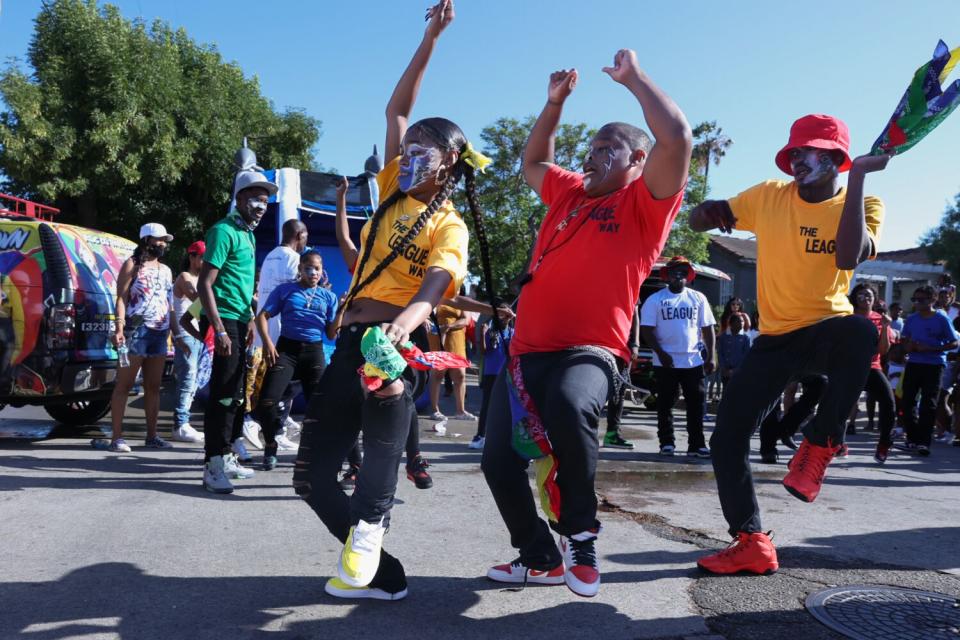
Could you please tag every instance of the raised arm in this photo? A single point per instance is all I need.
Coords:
(347, 249)
(538, 153)
(853, 243)
(405, 94)
(712, 214)
(665, 171)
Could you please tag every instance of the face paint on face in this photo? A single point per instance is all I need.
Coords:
(598, 165)
(812, 166)
(311, 272)
(252, 209)
(417, 165)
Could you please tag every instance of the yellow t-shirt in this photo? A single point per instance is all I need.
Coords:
(441, 243)
(798, 283)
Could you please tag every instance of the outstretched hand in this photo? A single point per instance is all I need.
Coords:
(561, 85)
(438, 17)
(869, 164)
(718, 215)
(625, 66)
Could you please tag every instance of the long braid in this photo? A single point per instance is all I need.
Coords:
(470, 188)
(375, 219)
(414, 231)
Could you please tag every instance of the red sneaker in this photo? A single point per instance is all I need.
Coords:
(582, 573)
(749, 553)
(517, 572)
(883, 450)
(842, 452)
(807, 469)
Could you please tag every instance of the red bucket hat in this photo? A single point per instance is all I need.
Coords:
(820, 132)
(678, 261)
(199, 248)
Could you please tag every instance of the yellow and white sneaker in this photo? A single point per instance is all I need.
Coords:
(360, 557)
(340, 589)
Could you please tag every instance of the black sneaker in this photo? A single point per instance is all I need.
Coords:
(349, 478)
(417, 473)
(789, 442)
(270, 457)
(769, 457)
(613, 440)
(923, 450)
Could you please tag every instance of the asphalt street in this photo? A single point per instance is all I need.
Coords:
(104, 545)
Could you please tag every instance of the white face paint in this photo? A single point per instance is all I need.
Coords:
(821, 165)
(601, 162)
(311, 272)
(417, 165)
(252, 212)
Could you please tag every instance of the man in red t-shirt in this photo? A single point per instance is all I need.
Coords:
(604, 227)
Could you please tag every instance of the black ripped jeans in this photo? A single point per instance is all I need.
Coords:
(334, 418)
(223, 418)
(303, 361)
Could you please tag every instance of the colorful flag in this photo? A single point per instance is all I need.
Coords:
(924, 105)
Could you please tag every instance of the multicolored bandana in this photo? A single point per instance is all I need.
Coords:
(924, 105)
(385, 363)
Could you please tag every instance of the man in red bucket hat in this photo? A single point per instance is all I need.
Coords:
(811, 234)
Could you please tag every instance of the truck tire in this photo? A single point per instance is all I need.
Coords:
(79, 412)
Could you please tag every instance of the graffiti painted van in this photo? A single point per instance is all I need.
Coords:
(57, 298)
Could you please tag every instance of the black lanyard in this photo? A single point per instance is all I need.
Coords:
(550, 248)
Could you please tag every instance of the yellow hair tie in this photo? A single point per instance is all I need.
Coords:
(475, 159)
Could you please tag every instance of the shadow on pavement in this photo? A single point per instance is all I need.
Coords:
(119, 598)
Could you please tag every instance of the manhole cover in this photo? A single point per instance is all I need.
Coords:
(866, 612)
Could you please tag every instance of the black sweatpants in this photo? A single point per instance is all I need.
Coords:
(304, 361)
(223, 417)
(925, 380)
(615, 405)
(486, 391)
(878, 388)
(691, 381)
(334, 418)
(839, 348)
(569, 389)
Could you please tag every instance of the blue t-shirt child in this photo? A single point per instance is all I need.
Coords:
(304, 313)
(496, 346)
(934, 331)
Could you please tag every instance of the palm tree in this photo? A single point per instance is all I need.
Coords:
(711, 145)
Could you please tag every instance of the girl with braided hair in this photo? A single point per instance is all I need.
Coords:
(412, 255)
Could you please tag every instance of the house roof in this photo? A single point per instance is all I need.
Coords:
(916, 255)
(740, 247)
(747, 250)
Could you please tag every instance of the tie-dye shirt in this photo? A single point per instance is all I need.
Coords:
(150, 297)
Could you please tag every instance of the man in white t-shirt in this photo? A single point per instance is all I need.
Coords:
(279, 267)
(678, 324)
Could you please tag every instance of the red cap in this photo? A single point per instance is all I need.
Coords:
(820, 132)
(678, 261)
(199, 247)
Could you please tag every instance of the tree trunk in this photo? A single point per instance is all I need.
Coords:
(87, 209)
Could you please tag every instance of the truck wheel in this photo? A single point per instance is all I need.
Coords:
(79, 412)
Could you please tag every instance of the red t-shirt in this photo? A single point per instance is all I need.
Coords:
(586, 273)
(876, 318)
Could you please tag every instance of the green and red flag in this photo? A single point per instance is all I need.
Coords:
(924, 105)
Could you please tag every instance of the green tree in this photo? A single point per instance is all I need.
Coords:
(512, 210)
(118, 122)
(943, 241)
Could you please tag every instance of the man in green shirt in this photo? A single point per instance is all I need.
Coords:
(225, 287)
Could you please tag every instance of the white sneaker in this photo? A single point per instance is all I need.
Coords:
(581, 571)
(360, 557)
(186, 433)
(436, 415)
(291, 427)
(284, 443)
(214, 477)
(466, 415)
(251, 432)
(477, 442)
(233, 468)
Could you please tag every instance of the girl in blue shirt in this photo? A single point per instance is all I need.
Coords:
(307, 313)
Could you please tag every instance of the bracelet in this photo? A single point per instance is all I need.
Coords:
(222, 333)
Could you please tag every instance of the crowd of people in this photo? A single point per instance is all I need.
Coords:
(552, 366)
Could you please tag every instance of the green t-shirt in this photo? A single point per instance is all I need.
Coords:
(230, 249)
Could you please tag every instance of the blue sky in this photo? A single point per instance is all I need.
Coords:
(752, 66)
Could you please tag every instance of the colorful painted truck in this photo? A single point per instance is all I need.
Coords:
(57, 299)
